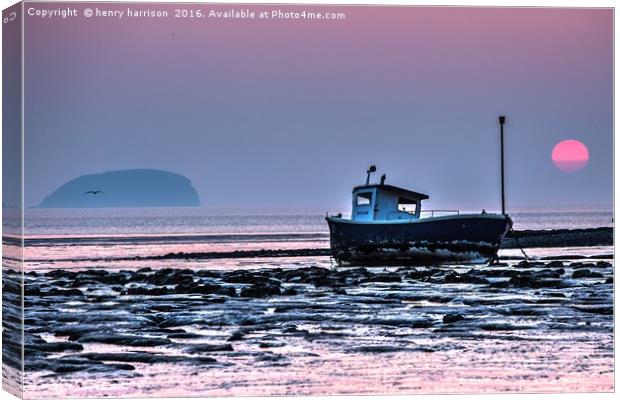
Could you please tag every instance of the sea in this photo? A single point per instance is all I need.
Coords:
(199, 220)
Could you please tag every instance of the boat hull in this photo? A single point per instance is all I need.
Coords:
(473, 238)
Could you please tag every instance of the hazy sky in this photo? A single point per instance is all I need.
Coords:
(290, 113)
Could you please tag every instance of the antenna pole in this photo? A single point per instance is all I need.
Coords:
(370, 170)
(502, 120)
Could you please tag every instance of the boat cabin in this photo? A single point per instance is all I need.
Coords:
(380, 202)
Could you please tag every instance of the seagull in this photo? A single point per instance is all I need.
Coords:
(94, 192)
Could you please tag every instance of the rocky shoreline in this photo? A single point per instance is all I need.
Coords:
(514, 240)
(164, 313)
(559, 238)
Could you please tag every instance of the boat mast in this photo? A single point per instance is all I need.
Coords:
(502, 120)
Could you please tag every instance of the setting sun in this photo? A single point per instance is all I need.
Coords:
(570, 155)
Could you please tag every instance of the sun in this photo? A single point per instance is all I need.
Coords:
(570, 155)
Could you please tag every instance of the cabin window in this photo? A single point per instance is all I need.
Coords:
(407, 205)
(363, 199)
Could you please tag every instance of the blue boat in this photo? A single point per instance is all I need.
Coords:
(389, 227)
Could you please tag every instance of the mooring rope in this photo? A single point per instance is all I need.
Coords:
(527, 258)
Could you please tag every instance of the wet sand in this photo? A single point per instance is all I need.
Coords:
(79, 250)
(315, 329)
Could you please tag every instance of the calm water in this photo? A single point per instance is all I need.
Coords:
(160, 221)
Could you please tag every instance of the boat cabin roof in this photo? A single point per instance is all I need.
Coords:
(408, 194)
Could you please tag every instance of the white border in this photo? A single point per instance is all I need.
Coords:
(483, 3)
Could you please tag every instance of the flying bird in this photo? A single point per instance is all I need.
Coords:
(94, 192)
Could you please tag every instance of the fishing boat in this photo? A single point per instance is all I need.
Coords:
(389, 227)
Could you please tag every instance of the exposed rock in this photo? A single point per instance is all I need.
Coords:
(387, 278)
(586, 273)
(93, 368)
(184, 335)
(526, 281)
(60, 292)
(603, 264)
(237, 335)
(123, 340)
(142, 291)
(145, 357)
(596, 309)
(491, 326)
(290, 291)
(555, 264)
(261, 290)
(271, 357)
(54, 347)
(452, 318)
(206, 348)
(194, 288)
(269, 345)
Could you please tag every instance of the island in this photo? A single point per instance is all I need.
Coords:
(126, 188)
